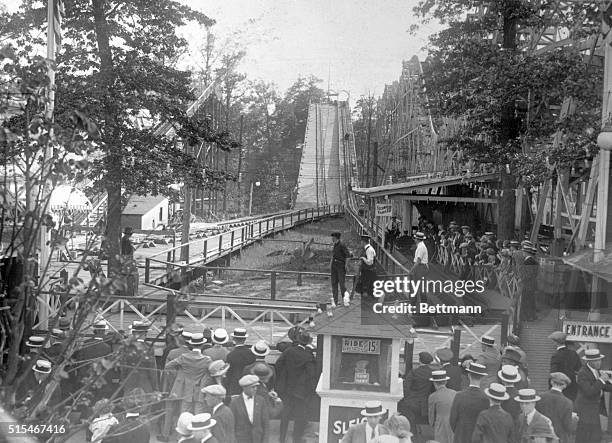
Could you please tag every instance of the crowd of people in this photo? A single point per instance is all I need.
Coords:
(488, 397)
(215, 387)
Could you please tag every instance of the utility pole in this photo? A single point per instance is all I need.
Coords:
(186, 216)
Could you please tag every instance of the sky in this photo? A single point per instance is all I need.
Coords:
(356, 45)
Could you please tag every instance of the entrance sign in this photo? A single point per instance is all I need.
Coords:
(587, 331)
(384, 209)
(352, 345)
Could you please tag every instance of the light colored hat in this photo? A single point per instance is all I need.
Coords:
(186, 335)
(560, 377)
(35, 341)
(527, 396)
(592, 354)
(218, 368)
(558, 337)
(419, 236)
(477, 368)
(439, 376)
(42, 366)
(215, 390)
(373, 409)
(139, 327)
(58, 334)
(100, 325)
(220, 336)
(486, 340)
(240, 333)
(182, 425)
(248, 380)
(260, 349)
(497, 392)
(197, 339)
(509, 374)
(199, 422)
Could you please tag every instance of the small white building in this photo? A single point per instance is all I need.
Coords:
(145, 212)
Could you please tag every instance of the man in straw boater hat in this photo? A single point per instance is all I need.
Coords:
(218, 351)
(138, 371)
(490, 357)
(439, 406)
(509, 376)
(558, 408)
(297, 379)
(238, 358)
(260, 350)
(494, 424)
(512, 357)
(251, 414)
(565, 359)
(590, 404)
(340, 254)
(468, 404)
(531, 422)
(181, 428)
(214, 396)
(454, 372)
(200, 428)
(191, 375)
(368, 430)
(32, 388)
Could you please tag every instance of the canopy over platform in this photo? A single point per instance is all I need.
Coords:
(69, 198)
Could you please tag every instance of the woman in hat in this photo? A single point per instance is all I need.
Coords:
(399, 430)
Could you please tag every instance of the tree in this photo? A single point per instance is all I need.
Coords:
(477, 69)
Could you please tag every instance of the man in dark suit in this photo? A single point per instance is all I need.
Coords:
(490, 358)
(494, 424)
(91, 351)
(468, 404)
(589, 402)
(251, 416)
(238, 358)
(558, 408)
(55, 351)
(417, 388)
(223, 430)
(297, 378)
(508, 376)
(260, 350)
(565, 360)
(453, 372)
(140, 371)
(531, 422)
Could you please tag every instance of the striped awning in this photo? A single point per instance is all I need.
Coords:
(68, 198)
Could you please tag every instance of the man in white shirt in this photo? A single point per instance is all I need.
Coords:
(421, 264)
(367, 270)
(223, 430)
(370, 429)
(251, 413)
(531, 422)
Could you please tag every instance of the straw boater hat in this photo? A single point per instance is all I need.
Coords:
(488, 233)
(487, 340)
(100, 325)
(240, 333)
(592, 354)
(220, 336)
(186, 335)
(373, 409)
(197, 339)
(58, 334)
(509, 374)
(248, 380)
(527, 396)
(439, 376)
(477, 368)
(260, 349)
(35, 341)
(64, 323)
(515, 243)
(199, 422)
(42, 366)
(558, 337)
(139, 327)
(182, 425)
(530, 249)
(497, 392)
(419, 236)
(218, 368)
(214, 390)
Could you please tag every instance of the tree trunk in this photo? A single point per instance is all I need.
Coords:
(113, 151)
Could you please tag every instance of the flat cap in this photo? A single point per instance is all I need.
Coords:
(558, 336)
(560, 377)
(444, 355)
(216, 390)
(248, 380)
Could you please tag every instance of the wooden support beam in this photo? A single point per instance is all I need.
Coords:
(557, 210)
(567, 201)
(443, 198)
(542, 197)
(587, 205)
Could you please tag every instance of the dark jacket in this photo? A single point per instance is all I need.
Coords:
(493, 425)
(296, 371)
(511, 406)
(567, 361)
(132, 430)
(456, 376)
(238, 358)
(468, 404)
(244, 430)
(558, 408)
(223, 430)
(140, 372)
(417, 388)
(589, 401)
(539, 422)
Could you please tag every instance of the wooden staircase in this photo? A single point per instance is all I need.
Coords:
(539, 349)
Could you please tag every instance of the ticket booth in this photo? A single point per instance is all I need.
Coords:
(360, 363)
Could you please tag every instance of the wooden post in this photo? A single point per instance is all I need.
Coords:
(220, 243)
(456, 345)
(273, 286)
(587, 206)
(504, 330)
(299, 279)
(543, 197)
(232, 241)
(205, 251)
(408, 354)
(147, 269)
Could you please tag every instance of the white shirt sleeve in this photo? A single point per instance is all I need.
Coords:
(421, 252)
(370, 255)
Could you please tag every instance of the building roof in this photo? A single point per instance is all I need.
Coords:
(352, 322)
(140, 205)
(583, 260)
(425, 182)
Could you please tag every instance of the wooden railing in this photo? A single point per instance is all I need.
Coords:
(207, 249)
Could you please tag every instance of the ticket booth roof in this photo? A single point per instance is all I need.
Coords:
(348, 321)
